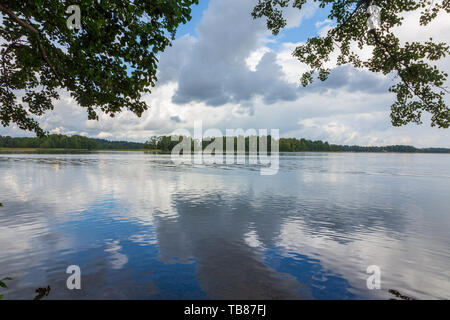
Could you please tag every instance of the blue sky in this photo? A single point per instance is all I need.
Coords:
(197, 13)
(301, 33)
(227, 70)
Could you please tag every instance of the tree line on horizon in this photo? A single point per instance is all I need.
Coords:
(165, 144)
(59, 141)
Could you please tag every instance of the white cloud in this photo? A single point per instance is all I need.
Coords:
(255, 57)
(294, 17)
(231, 66)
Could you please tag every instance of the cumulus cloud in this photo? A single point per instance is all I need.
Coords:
(348, 78)
(172, 60)
(217, 72)
(231, 75)
(176, 119)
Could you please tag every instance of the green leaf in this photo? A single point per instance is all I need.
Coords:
(3, 285)
(7, 278)
(420, 84)
(115, 36)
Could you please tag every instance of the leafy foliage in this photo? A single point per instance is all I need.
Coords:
(50, 141)
(106, 65)
(420, 86)
(163, 143)
(3, 284)
(103, 144)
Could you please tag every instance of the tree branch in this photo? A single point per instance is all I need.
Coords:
(343, 23)
(18, 20)
(37, 33)
(44, 55)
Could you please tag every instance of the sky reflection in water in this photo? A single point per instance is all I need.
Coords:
(141, 228)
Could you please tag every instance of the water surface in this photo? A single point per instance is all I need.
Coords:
(140, 227)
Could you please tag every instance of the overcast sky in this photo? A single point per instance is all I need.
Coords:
(226, 69)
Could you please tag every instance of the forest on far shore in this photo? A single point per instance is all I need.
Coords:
(165, 144)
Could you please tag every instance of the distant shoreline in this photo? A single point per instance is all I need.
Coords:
(69, 151)
(57, 143)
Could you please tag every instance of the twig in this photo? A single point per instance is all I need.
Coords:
(18, 20)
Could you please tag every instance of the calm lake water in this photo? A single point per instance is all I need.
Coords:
(140, 227)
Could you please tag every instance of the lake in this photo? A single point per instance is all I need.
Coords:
(141, 227)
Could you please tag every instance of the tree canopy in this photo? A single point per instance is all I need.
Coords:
(421, 85)
(106, 65)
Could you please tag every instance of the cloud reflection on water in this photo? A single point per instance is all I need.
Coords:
(141, 228)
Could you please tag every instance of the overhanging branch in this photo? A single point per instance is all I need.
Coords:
(18, 20)
(33, 30)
